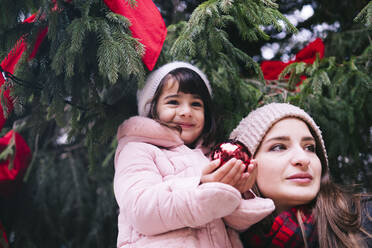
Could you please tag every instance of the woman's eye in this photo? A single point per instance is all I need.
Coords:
(310, 148)
(277, 147)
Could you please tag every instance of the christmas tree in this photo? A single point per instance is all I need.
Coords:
(77, 77)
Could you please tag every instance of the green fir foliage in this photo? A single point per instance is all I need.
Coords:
(339, 97)
(365, 16)
(82, 83)
(204, 39)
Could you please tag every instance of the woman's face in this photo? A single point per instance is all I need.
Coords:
(288, 168)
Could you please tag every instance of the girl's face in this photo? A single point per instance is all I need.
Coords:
(288, 168)
(181, 109)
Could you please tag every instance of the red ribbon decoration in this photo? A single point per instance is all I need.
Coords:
(10, 171)
(272, 69)
(147, 25)
(9, 63)
(21, 157)
(3, 238)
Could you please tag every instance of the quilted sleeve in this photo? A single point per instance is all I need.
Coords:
(249, 212)
(155, 206)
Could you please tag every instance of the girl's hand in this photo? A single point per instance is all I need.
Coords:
(248, 178)
(230, 173)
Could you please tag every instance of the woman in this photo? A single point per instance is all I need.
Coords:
(292, 170)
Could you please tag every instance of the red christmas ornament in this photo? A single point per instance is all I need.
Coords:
(231, 149)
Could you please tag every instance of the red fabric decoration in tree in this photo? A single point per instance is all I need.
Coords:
(272, 69)
(14, 150)
(17, 156)
(3, 238)
(147, 25)
(308, 54)
(9, 63)
(14, 166)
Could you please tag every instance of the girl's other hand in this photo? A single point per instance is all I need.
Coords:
(230, 173)
(248, 178)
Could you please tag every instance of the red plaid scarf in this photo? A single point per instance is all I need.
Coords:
(285, 232)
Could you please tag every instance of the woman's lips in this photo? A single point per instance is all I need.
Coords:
(300, 178)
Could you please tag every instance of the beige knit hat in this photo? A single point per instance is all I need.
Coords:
(145, 95)
(252, 129)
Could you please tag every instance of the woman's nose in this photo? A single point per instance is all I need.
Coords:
(300, 157)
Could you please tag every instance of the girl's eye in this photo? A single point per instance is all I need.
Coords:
(172, 102)
(310, 148)
(197, 104)
(277, 147)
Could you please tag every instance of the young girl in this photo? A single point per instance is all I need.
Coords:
(168, 192)
(292, 170)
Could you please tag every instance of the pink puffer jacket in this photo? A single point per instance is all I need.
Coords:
(162, 203)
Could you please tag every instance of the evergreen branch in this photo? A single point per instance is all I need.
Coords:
(270, 3)
(77, 29)
(76, 181)
(4, 102)
(319, 79)
(111, 154)
(34, 156)
(210, 15)
(365, 15)
(7, 75)
(274, 16)
(225, 5)
(84, 7)
(118, 19)
(69, 148)
(132, 3)
(9, 153)
(59, 60)
(247, 21)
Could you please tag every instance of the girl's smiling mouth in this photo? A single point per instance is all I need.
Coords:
(184, 125)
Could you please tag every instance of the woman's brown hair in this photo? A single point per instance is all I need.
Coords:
(336, 211)
(338, 216)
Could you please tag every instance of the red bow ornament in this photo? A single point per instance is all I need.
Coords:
(272, 69)
(9, 63)
(3, 238)
(147, 25)
(14, 151)
(14, 158)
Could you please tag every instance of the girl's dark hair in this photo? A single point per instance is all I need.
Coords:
(189, 82)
